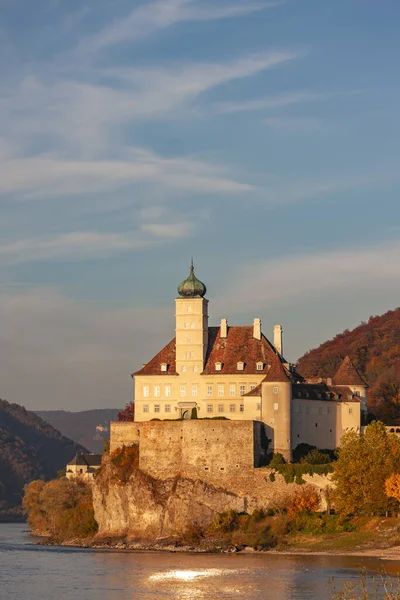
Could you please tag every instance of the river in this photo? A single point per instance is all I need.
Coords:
(31, 572)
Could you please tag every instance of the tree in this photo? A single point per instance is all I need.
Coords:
(128, 414)
(364, 463)
(392, 486)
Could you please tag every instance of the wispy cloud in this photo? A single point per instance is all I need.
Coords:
(155, 16)
(268, 103)
(47, 176)
(304, 275)
(168, 230)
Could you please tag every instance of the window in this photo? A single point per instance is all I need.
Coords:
(220, 408)
(252, 386)
(209, 408)
(275, 406)
(189, 309)
(145, 408)
(350, 411)
(260, 366)
(157, 391)
(188, 340)
(220, 390)
(218, 366)
(156, 408)
(232, 408)
(209, 390)
(275, 390)
(164, 367)
(186, 325)
(357, 394)
(240, 366)
(184, 369)
(194, 391)
(242, 390)
(258, 406)
(167, 391)
(146, 391)
(192, 325)
(195, 369)
(316, 424)
(241, 408)
(232, 390)
(182, 391)
(167, 408)
(188, 355)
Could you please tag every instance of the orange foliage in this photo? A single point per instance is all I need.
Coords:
(392, 486)
(125, 460)
(305, 501)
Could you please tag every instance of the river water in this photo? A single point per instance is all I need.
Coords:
(31, 572)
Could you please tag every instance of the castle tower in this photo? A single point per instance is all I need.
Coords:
(276, 409)
(191, 326)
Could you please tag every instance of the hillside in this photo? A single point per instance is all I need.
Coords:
(30, 449)
(374, 347)
(88, 427)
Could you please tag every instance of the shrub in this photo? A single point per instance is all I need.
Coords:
(305, 501)
(226, 522)
(276, 461)
(316, 457)
(125, 461)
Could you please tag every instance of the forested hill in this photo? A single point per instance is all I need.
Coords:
(30, 449)
(374, 347)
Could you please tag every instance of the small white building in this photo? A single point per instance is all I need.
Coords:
(83, 467)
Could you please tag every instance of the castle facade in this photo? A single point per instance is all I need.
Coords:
(237, 373)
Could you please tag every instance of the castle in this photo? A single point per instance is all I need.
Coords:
(236, 373)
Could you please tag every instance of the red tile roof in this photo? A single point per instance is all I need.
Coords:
(277, 372)
(347, 374)
(167, 356)
(238, 346)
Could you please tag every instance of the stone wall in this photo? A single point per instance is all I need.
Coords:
(123, 434)
(193, 448)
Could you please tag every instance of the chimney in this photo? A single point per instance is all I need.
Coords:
(257, 329)
(278, 343)
(224, 329)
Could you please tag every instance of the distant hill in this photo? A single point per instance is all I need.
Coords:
(88, 427)
(374, 347)
(30, 449)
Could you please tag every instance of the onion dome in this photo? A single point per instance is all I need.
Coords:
(191, 287)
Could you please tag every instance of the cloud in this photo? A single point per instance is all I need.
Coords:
(151, 17)
(276, 101)
(296, 125)
(46, 176)
(75, 245)
(168, 230)
(291, 279)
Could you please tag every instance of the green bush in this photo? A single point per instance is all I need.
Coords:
(276, 461)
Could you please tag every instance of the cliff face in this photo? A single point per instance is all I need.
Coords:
(148, 508)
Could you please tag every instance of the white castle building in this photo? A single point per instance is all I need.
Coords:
(237, 373)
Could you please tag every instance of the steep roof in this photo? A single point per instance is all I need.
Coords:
(238, 346)
(166, 356)
(87, 460)
(277, 372)
(347, 374)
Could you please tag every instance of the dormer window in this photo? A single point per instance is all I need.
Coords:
(218, 366)
(164, 367)
(240, 366)
(259, 366)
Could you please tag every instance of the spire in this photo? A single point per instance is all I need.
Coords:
(277, 372)
(347, 374)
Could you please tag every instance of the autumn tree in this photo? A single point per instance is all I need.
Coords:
(392, 486)
(128, 414)
(364, 464)
(304, 501)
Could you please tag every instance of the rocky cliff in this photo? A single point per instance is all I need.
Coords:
(147, 508)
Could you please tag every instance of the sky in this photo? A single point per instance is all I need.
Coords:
(260, 138)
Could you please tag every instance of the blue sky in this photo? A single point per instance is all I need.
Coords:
(259, 137)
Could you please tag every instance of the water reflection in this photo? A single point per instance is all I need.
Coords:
(33, 573)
